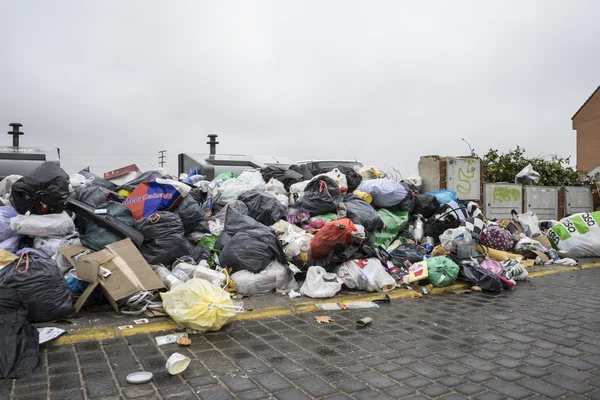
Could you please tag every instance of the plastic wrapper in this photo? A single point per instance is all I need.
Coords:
(198, 304)
(529, 221)
(48, 225)
(385, 193)
(276, 276)
(339, 231)
(157, 195)
(528, 176)
(365, 274)
(319, 284)
(40, 285)
(43, 191)
(263, 206)
(321, 196)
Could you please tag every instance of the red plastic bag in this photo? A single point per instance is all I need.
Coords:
(339, 231)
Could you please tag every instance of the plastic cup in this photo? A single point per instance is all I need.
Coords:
(177, 363)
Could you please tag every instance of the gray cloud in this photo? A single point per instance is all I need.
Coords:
(112, 82)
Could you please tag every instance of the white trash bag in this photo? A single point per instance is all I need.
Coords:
(577, 235)
(366, 274)
(320, 284)
(46, 225)
(528, 176)
(253, 179)
(276, 277)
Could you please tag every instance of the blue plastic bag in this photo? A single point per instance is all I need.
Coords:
(444, 196)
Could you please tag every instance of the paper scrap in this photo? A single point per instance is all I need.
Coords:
(172, 338)
(324, 319)
(141, 321)
(125, 327)
(49, 333)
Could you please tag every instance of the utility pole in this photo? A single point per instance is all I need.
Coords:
(162, 158)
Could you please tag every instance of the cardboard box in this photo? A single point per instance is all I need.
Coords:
(129, 271)
(544, 241)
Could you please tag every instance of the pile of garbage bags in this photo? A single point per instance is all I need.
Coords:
(275, 228)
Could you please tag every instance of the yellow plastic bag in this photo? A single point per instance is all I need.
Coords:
(124, 193)
(6, 258)
(368, 173)
(497, 255)
(200, 305)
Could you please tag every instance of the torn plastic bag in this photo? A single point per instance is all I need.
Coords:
(76, 180)
(470, 271)
(19, 340)
(198, 304)
(94, 180)
(442, 271)
(41, 287)
(528, 176)
(319, 284)
(47, 225)
(342, 253)
(529, 221)
(577, 235)
(362, 213)
(284, 175)
(366, 274)
(43, 191)
(253, 179)
(276, 276)
(96, 237)
(95, 195)
(157, 195)
(339, 231)
(6, 214)
(393, 223)
(235, 221)
(407, 252)
(252, 249)
(193, 215)
(164, 239)
(144, 177)
(263, 206)
(426, 205)
(385, 193)
(321, 196)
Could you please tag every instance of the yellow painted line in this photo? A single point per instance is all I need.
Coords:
(109, 332)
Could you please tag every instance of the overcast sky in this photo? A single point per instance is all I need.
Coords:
(113, 82)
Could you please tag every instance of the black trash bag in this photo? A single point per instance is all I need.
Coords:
(145, 177)
(342, 253)
(407, 204)
(362, 213)
(164, 240)
(19, 340)
(40, 286)
(197, 194)
(353, 178)
(96, 237)
(98, 181)
(263, 206)
(286, 176)
(470, 271)
(302, 170)
(235, 222)
(407, 251)
(95, 196)
(435, 227)
(192, 215)
(321, 196)
(426, 205)
(43, 191)
(198, 253)
(253, 250)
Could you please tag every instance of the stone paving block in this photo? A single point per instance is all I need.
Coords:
(350, 386)
(567, 383)
(315, 387)
(215, 393)
(469, 389)
(75, 394)
(507, 389)
(434, 390)
(542, 388)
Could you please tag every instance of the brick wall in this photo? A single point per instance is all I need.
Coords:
(588, 145)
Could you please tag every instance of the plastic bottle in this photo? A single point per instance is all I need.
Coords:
(170, 280)
(419, 229)
(202, 271)
(184, 268)
(304, 250)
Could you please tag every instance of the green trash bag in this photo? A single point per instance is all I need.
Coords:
(209, 241)
(224, 176)
(442, 271)
(325, 217)
(393, 223)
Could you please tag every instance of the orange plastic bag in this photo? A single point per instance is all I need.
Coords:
(339, 231)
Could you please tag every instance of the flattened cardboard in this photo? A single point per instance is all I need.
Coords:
(130, 271)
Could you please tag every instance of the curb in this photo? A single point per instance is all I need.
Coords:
(110, 332)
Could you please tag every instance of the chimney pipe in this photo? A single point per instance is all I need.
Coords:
(15, 133)
(212, 141)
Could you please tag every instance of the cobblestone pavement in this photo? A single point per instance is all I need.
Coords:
(538, 341)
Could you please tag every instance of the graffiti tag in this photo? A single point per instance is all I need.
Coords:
(503, 194)
(466, 179)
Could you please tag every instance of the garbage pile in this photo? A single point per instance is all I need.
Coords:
(183, 245)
